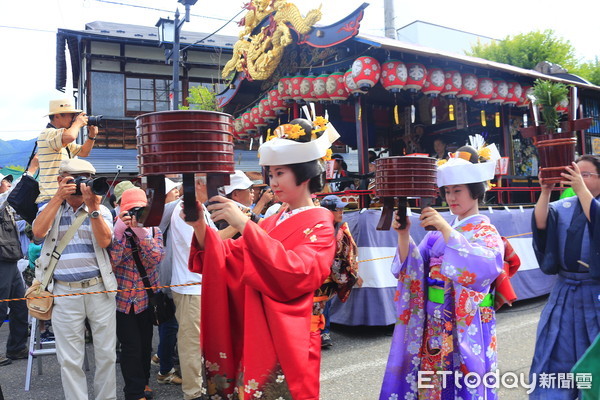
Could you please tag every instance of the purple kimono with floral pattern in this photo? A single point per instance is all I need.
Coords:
(458, 335)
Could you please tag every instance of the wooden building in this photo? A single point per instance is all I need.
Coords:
(119, 71)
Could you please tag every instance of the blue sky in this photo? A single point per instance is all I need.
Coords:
(28, 30)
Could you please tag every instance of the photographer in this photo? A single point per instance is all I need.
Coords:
(135, 317)
(57, 143)
(83, 267)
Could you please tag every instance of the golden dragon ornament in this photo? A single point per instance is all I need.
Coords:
(259, 54)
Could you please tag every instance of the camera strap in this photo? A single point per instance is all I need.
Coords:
(138, 261)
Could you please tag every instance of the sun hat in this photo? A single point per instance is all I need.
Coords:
(238, 180)
(134, 197)
(170, 185)
(333, 201)
(76, 166)
(62, 106)
(120, 188)
(7, 177)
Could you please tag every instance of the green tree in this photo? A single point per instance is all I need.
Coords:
(526, 50)
(589, 70)
(201, 98)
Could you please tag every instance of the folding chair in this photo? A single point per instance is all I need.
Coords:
(37, 348)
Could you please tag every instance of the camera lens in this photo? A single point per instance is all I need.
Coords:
(95, 120)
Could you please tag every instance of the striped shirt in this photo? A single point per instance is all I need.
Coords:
(50, 154)
(78, 260)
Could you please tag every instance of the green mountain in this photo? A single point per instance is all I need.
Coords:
(15, 152)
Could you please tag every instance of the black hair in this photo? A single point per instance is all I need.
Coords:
(476, 189)
(592, 159)
(312, 171)
(112, 200)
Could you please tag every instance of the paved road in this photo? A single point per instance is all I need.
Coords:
(351, 369)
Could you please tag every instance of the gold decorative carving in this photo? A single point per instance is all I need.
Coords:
(259, 54)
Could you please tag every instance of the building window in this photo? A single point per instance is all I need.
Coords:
(147, 95)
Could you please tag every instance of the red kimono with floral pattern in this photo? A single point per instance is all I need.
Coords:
(257, 299)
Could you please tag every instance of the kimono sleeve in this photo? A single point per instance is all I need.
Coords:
(218, 252)
(595, 239)
(545, 243)
(417, 255)
(285, 274)
(474, 264)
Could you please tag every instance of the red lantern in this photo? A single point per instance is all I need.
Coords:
(247, 122)
(277, 104)
(284, 88)
(295, 83)
(524, 99)
(351, 86)
(514, 93)
(366, 72)
(417, 73)
(452, 83)
(307, 89)
(500, 91)
(434, 83)
(320, 88)
(393, 75)
(563, 106)
(469, 86)
(485, 90)
(336, 88)
(266, 111)
(238, 127)
(257, 119)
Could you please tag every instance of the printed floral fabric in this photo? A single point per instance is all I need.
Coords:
(344, 271)
(257, 299)
(457, 335)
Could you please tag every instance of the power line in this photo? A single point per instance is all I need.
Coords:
(156, 9)
(223, 26)
(26, 29)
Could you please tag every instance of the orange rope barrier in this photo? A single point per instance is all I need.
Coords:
(183, 284)
(104, 291)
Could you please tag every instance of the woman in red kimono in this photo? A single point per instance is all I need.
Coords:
(258, 289)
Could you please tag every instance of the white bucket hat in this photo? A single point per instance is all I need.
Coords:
(239, 180)
(62, 106)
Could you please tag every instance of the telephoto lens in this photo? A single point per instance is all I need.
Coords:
(95, 120)
(99, 185)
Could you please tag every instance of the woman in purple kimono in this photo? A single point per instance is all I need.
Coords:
(446, 326)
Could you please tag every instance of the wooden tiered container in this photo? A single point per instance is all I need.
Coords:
(183, 142)
(556, 151)
(403, 177)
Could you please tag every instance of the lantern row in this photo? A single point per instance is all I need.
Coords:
(393, 75)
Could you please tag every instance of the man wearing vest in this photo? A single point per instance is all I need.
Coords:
(57, 143)
(84, 266)
(11, 283)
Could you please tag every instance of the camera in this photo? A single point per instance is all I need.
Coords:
(95, 120)
(136, 212)
(263, 190)
(99, 185)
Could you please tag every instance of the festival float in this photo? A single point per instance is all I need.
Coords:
(395, 98)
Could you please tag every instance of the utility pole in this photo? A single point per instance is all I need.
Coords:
(168, 37)
(389, 17)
